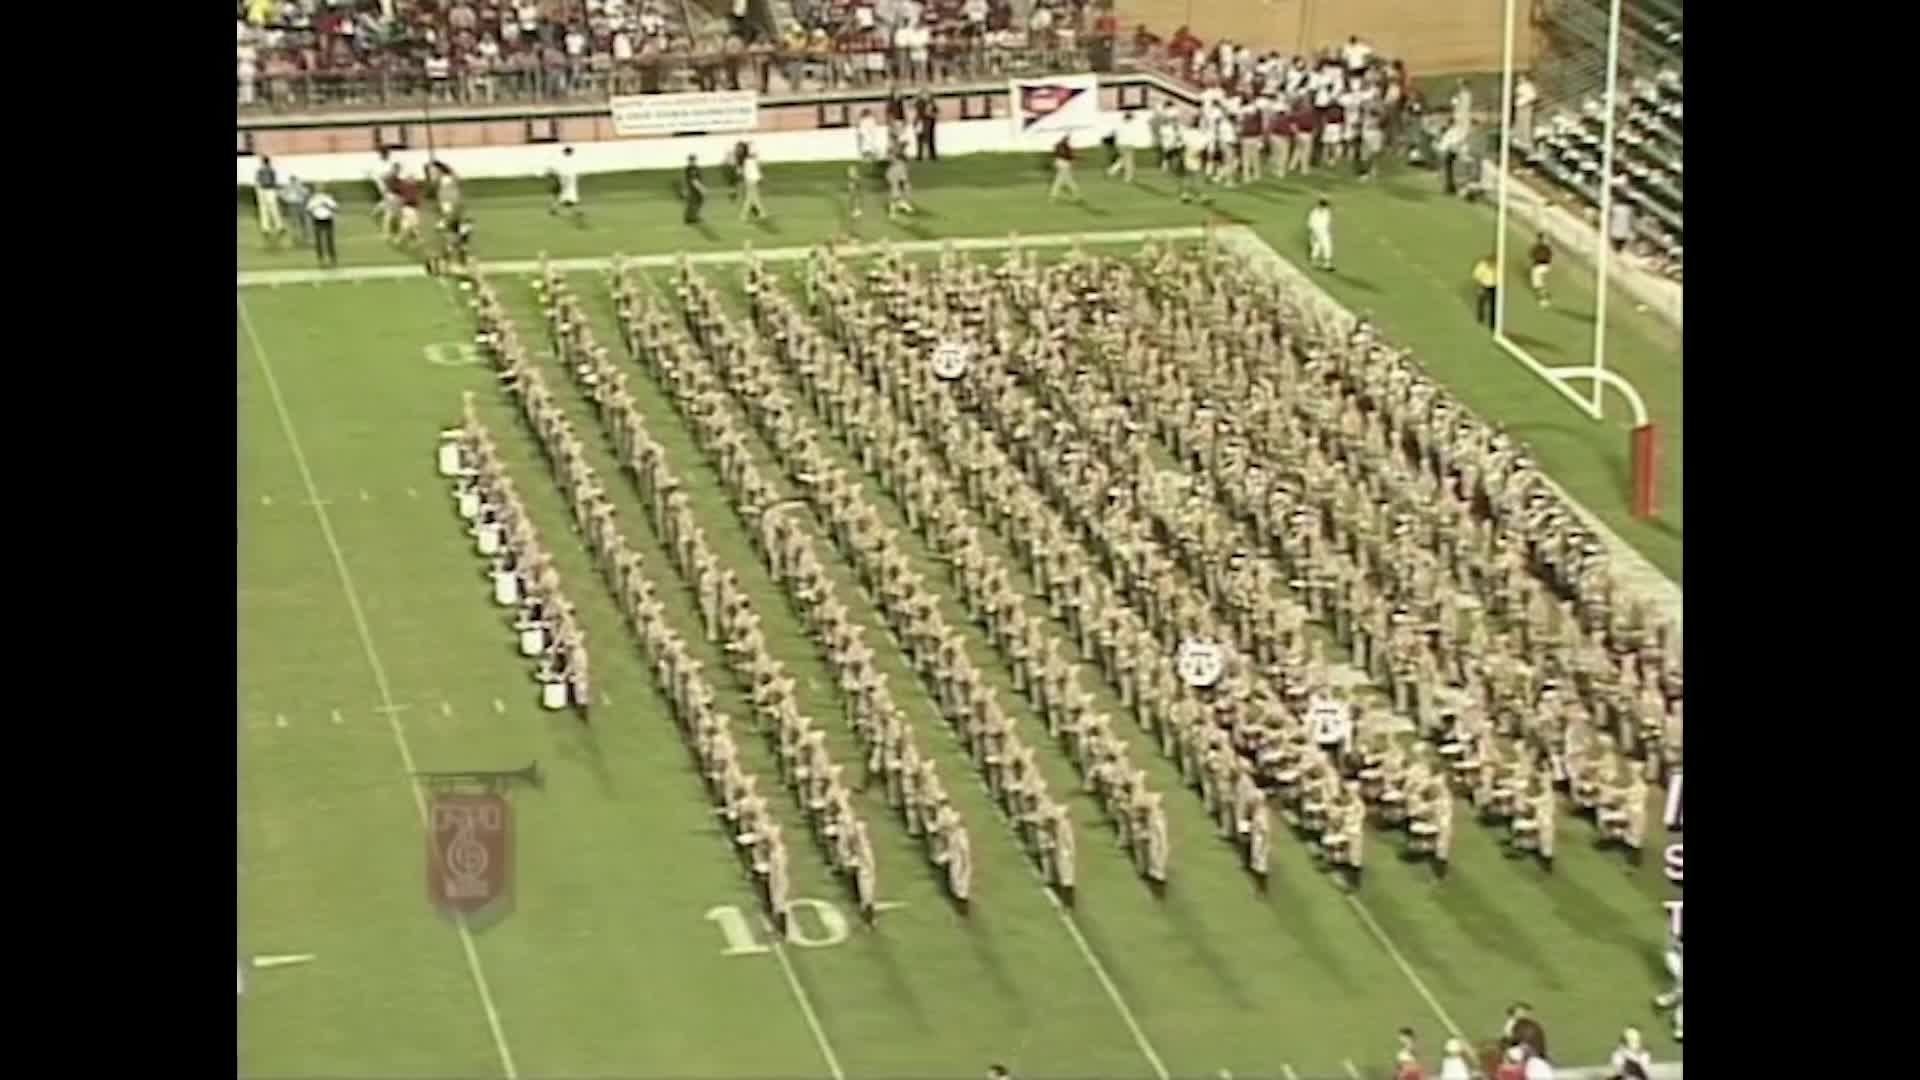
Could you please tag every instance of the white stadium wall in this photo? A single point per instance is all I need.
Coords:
(1033, 122)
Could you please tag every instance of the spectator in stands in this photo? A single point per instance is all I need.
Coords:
(1620, 223)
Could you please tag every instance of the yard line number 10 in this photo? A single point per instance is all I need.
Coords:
(821, 927)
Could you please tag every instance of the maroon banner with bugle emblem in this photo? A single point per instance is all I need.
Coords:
(469, 853)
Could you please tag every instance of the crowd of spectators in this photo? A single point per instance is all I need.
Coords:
(318, 53)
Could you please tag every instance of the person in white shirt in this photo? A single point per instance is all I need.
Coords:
(1537, 1068)
(1192, 160)
(1454, 1065)
(1630, 1060)
(1673, 999)
(1125, 140)
(565, 177)
(867, 137)
(386, 205)
(1462, 105)
(750, 174)
(321, 208)
(1169, 137)
(1320, 254)
(1620, 222)
(1356, 54)
(1525, 96)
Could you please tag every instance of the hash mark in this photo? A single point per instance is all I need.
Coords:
(1351, 1070)
(279, 721)
(364, 497)
(497, 707)
(412, 494)
(336, 717)
(266, 500)
(446, 709)
(605, 699)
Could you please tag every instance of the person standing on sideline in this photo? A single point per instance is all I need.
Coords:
(1521, 1028)
(927, 117)
(293, 207)
(1451, 143)
(867, 137)
(1620, 224)
(1630, 1060)
(1320, 235)
(266, 198)
(899, 187)
(856, 194)
(1525, 97)
(378, 174)
(1462, 105)
(693, 189)
(1539, 261)
(1487, 277)
(750, 187)
(321, 207)
(1063, 180)
(1125, 139)
(566, 188)
(1454, 1066)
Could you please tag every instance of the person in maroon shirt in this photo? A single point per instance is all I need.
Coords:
(1279, 140)
(408, 190)
(1305, 123)
(1063, 181)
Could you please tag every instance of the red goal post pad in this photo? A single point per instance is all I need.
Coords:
(1646, 470)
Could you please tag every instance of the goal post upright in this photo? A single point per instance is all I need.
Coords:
(1603, 255)
(1643, 438)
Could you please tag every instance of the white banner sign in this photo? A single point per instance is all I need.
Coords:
(671, 114)
(1054, 106)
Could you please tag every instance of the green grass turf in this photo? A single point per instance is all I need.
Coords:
(608, 965)
(1404, 253)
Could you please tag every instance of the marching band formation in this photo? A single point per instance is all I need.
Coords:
(1162, 494)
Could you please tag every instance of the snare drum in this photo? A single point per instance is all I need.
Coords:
(449, 459)
(553, 695)
(487, 538)
(506, 588)
(469, 504)
(533, 641)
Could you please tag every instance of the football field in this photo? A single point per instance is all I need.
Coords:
(370, 647)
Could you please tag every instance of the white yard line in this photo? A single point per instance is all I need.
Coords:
(1287, 1071)
(379, 672)
(1106, 981)
(412, 271)
(1413, 977)
(1352, 1069)
(806, 1003)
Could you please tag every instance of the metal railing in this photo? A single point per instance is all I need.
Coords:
(851, 64)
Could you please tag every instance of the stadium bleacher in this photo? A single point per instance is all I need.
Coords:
(1648, 160)
(1648, 129)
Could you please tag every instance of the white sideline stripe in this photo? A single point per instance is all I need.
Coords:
(379, 674)
(1631, 569)
(805, 1003)
(247, 278)
(1406, 969)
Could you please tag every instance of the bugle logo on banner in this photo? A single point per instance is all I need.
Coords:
(470, 853)
(1055, 106)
